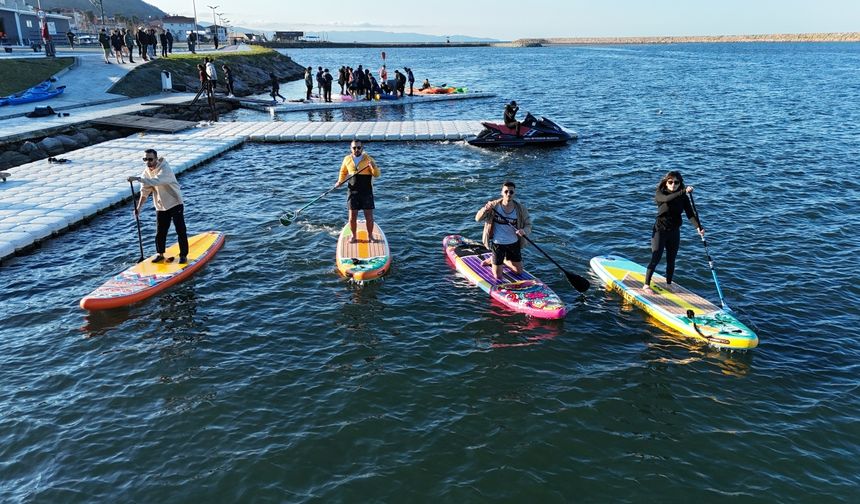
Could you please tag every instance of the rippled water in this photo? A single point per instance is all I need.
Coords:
(268, 377)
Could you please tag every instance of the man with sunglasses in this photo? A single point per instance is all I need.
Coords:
(362, 168)
(159, 180)
(506, 221)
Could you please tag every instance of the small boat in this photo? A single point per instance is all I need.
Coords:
(43, 91)
(533, 131)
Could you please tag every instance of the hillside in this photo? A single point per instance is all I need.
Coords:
(127, 8)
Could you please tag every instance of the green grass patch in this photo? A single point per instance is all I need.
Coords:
(21, 74)
(145, 79)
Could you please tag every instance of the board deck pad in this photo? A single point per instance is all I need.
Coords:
(518, 292)
(146, 278)
(366, 259)
(670, 304)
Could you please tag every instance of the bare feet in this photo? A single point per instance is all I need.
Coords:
(486, 262)
(353, 239)
(647, 289)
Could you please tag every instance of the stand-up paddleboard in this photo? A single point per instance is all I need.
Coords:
(520, 293)
(146, 278)
(674, 305)
(365, 259)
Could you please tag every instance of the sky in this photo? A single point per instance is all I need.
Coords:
(512, 19)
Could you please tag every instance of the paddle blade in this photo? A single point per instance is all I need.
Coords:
(286, 219)
(579, 283)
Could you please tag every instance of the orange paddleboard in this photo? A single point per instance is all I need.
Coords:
(146, 278)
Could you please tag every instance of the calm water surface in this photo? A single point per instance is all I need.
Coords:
(268, 377)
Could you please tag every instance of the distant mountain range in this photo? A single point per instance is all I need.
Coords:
(127, 8)
(384, 36)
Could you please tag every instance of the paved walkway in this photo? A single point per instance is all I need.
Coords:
(38, 201)
(87, 84)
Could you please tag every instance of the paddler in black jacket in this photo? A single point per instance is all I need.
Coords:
(671, 199)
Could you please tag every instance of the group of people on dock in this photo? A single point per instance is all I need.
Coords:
(120, 43)
(358, 83)
(506, 220)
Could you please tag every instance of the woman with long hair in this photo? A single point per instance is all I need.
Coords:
(671, 199)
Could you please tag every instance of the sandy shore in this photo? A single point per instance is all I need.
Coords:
(781, 37)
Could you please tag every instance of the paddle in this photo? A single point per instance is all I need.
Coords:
(288, 219)
(136, 219)
(579, 283)
(708, 255)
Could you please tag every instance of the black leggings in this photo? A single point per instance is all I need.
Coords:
(177, 215)
(669, 239)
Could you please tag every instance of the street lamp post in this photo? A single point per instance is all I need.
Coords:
(214, 22)
(194, 6)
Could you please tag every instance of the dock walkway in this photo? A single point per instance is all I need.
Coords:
(41, 200)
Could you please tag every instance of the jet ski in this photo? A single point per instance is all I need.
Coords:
(533, 131)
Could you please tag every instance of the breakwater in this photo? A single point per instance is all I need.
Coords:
(780, 37)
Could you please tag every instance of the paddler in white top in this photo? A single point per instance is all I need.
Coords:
(506, 221)
(159, 180)
(362, 168)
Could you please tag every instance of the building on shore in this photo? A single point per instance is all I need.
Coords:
(20, 27)
(287, 36)
(180, 27)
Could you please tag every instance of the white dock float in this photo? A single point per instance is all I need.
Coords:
(40, 200)
(337, 103)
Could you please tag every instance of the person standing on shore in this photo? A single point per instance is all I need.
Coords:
(153, 42)
(159, 180)
(319, 77)
(104, 41)
(309, 82)
(169, 36)
(192, 42)
(228, 77)
(411, 79)
(71, 37)
(327, 80)
(211, 73)
(140, 36)
(116, 43)
(162, 38)
(671, 199)
(506, 222)
(363, 168)
(128, 38)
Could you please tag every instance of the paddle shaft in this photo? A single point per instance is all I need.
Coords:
(578, 282)
(136, 219)
(708, 255)
(321, 196)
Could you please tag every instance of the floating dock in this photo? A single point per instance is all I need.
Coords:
(40, 200)
(338, 102)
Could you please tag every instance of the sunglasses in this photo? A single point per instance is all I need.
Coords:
(672, 182)
(149, 159)
(357, 148)
(506, 191)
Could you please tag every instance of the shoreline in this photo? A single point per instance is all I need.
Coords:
(698, 39)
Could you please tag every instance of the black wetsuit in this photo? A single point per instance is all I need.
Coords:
(666, 233)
